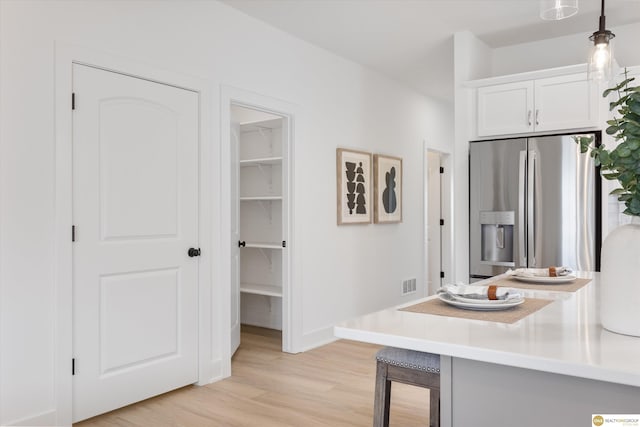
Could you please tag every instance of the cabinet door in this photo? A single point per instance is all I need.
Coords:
(505, 109)
(565, 102)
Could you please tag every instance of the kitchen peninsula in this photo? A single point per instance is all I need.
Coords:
(556, 366)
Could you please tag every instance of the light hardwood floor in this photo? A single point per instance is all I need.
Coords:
(328, 386)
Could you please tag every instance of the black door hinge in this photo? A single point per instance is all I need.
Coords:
(73, 101)
(73, 366)
(284, 243)
(442, 222)
(73, 233)
(441, 170)
(442, 274)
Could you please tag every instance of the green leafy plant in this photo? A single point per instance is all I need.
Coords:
(623, 162)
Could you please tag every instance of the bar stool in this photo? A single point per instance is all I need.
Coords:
(409, 367)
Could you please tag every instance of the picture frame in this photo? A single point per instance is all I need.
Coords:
(387, 172)
(354, 186)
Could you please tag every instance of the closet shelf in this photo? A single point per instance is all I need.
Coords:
(259, 198)
(263, 245)
(257, 289)
(261, 161)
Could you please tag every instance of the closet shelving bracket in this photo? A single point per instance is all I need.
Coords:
(266, 205)
(267, 255)
(262, 131)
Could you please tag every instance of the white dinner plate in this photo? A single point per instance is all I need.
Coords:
(547, 280)
(476, 300)
(485, 305)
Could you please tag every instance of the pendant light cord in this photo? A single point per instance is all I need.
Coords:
(602, 18)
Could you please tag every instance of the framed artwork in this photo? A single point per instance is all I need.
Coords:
(353, 173)
(387, 178)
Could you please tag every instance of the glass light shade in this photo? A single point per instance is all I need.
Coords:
(554, 10)
(601, 62)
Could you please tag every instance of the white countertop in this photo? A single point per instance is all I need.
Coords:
(564, 337)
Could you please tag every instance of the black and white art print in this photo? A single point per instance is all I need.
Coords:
(353, 170)
(387, 172)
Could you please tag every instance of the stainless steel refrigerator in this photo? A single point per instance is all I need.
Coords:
(533, 202)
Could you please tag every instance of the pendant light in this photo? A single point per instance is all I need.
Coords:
(601, 55)
(555, 10)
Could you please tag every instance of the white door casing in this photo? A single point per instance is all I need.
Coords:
(292, 337)
(135, 208)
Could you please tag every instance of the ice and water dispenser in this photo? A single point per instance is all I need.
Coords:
(497, 238)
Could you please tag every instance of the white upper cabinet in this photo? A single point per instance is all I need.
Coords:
(505, 109)
(540, 105)
(565, 102)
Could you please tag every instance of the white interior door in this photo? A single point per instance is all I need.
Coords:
(135, 200)
(235, 238)
(434, 229)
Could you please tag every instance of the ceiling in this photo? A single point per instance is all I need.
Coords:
(411, 40)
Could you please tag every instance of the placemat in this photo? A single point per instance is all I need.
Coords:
(510, 315)
(563, 287)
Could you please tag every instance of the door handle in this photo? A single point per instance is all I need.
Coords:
(500, 236)
(531, 208)
(193, 252)
(242, 244)
(537, 117)
(529, 118)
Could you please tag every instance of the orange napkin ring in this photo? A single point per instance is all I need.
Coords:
(491, 292)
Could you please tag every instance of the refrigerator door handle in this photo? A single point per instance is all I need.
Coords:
(500, 236)
(522, 254)
(531, 211)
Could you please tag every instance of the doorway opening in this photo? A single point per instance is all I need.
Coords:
(259, 219)
(437, 216)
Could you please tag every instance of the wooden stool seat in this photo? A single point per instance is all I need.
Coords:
(408, 367)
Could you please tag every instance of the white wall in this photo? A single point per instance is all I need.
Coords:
(562, 51)
(345, 270)
(472, 60)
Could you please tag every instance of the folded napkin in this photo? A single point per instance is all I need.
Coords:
(480, 292)
(541, 272)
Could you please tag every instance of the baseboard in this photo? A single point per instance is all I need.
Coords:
(47, 418)
(217, 373)
(217, 370)
(263, 323)
(317, 338)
